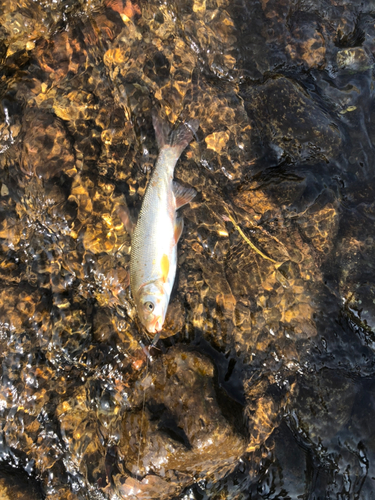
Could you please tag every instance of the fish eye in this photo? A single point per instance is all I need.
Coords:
(149, 306)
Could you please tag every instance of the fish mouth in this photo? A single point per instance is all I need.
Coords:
(156, 325)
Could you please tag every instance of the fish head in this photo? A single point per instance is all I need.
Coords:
(152, 303)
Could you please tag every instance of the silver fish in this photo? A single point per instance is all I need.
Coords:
(158, 229)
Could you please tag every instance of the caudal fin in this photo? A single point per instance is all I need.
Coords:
(178, 138)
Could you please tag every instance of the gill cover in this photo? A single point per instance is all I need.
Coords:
(152, 304)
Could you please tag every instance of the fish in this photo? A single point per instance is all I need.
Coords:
(153, 258)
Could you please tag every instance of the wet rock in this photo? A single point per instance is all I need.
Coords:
(295, 123)
(355, 250)
(278, 236)
(321, 223)
(289, 465)
(46, 150)
(354, 59)
(337, 396)
(307, 42)
(23, 25)
(175, 320)
(337, 393)
(175, 433)
(15, 486)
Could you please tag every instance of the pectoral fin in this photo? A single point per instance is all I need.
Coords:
(124, 215)
(182, 194)
(178, 228)
(164, 264)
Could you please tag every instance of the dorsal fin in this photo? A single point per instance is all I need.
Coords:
(183, 194)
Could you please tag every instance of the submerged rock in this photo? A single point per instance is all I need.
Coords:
(274, 292)
(177, 432)
(354, 59)
(15, 486)
(295, 124)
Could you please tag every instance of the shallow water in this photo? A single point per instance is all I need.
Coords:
(263, 383)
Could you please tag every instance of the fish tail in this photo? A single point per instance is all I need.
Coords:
(178, 138)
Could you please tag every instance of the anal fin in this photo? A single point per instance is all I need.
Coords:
(178, 228)
(183, 194)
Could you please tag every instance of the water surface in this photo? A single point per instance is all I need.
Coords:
(263, 384)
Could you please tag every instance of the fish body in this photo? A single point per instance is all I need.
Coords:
(154, 241)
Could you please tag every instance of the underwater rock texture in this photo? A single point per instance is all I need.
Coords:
(262, 384)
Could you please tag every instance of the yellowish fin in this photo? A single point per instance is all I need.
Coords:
(164, 267)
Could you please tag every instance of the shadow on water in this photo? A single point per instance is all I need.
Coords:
(263, 383)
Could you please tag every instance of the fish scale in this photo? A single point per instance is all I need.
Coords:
(155, 227)
(154, 241)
